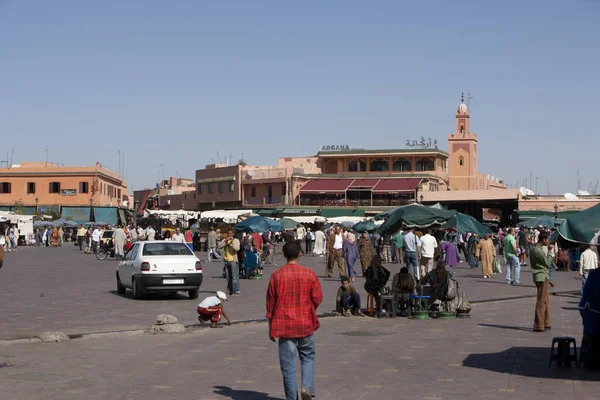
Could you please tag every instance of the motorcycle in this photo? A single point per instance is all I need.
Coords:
(105, 250)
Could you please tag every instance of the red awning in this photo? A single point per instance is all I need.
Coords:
(396, 185)
(363, 184)
(333, 186)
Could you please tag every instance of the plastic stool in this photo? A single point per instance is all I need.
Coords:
(370, 304)
(563, 352)
(389, 311)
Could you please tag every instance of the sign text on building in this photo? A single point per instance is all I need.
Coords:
(68, 192)
(420, 143)
(335, 147)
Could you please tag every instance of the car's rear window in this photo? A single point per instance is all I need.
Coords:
(166, 249)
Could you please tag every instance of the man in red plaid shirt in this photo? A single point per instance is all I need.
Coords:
(292, 299)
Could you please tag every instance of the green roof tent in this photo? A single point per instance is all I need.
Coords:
(583, 227)
(288, 223)
(414, 216)
(526, 215)
(544, 220)
(464, 223)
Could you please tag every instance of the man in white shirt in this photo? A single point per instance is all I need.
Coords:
(96, 238)
(300, 233)
(151, 233)
(335, 245)
(178, 236)
(587, 262)
(428, 246)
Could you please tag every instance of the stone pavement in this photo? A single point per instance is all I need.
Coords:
(493, 355)
(46, 289)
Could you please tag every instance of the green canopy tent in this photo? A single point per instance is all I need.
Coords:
(543, 220)
(414, 216)
(464, 223)
(364, 226)
(288, 223)
(583, 227)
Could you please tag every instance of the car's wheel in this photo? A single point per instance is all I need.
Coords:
(120, 288)
(136, 289)
(193, 293)
(101, 254)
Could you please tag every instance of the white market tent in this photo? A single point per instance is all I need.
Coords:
(307, 220)
(172, 215)
(228, 216)
(339, 220)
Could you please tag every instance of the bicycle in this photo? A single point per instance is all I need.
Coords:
(268, 257)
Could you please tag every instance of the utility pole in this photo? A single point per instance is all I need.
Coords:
(547, 188)
(530, 178)
(536, 185)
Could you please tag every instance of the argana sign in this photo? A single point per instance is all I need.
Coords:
(335, 147)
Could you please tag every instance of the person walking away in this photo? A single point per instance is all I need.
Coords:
(450, 251)
(486, 253)
(229, 247)
(211, 309)
(540, 266)
(397, 244)
(309, 240)
(119, 238)
(11, 240)
(350, 254)
(587, 263)
(293, 295)
(319, 243)
(386, 242)
(376, 239)
(523, 247)
(81, 236)
(366, 251)
(462, 246)
(412, 245)
(300, 233)
(38, 237)
(335, 246)
(212, 245)
(16, 235)
(513, 266)
(61, 236)
(189, 239)
(428, 246)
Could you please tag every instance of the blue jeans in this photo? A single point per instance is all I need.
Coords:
(233, 277)
(513, 268)
(552, 269)
(586, 272)
(350, 302)
(411, 261)
(305, 348)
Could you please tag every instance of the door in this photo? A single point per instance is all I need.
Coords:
(128, 265)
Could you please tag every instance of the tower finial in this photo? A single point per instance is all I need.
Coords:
(462, 97)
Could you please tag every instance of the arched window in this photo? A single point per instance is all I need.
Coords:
(357, 166)
(402, 164)
(253, 192)
(462, 129)
(461, 161)
(380, 165)
(425, 164)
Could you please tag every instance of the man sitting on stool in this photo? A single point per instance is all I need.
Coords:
(347, 300)
(403, 286)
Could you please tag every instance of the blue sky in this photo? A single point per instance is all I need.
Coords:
(173, 82)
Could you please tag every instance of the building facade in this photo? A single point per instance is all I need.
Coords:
(51, 186)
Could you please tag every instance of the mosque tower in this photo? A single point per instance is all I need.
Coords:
(462, 150)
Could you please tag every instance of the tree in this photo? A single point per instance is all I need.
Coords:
(18, 207)
(242, 162)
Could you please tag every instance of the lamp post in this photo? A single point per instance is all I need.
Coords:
(37, 200)
(555, 211)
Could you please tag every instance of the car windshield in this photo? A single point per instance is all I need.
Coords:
(166, 249)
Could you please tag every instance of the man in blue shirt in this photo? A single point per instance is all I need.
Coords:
(412, 244)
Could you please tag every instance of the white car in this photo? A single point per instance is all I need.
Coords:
(159, 266)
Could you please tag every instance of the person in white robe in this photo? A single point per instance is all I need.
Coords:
(319, 249)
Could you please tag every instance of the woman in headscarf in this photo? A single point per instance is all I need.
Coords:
(471, 249)
(350, 254)
(366, 251)
(486, 252)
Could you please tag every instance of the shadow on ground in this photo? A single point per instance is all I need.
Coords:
(234, 394)
(528, 362)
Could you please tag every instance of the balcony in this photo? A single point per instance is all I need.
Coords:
(262, 174)
(265, 201)
(354, 203)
